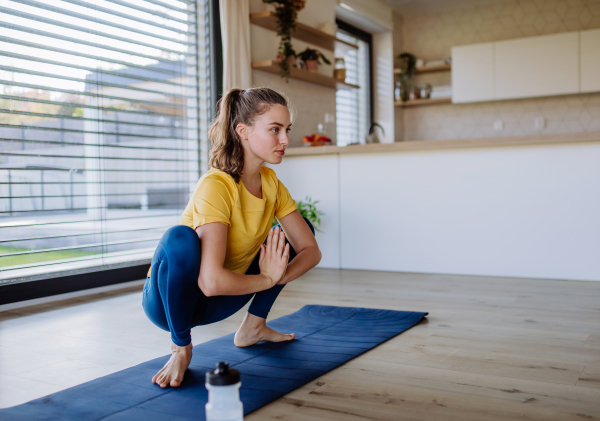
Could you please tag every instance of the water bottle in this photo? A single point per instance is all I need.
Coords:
(223, 386)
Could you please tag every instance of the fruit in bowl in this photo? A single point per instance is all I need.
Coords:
(316, 140)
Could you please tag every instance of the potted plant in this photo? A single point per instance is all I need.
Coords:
(287, 13)
(308, 210)
(407, 72)
(311, 59)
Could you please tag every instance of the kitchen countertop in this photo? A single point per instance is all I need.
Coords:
(416, 145)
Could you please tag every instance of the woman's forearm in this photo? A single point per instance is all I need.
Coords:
(227, 282)
(304, 261)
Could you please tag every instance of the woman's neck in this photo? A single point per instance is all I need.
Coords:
(251, 177)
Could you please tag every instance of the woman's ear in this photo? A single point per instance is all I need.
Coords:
(242, 131)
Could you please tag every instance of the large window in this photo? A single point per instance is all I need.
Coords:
(353, 108)
(104, 107)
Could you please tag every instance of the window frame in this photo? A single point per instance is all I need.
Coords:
(368, 39)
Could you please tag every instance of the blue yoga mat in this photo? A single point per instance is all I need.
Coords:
(326, 337)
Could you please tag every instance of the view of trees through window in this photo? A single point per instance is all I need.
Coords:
(104, 108)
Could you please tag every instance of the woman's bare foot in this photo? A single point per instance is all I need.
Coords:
(173, 371)
(254, 329)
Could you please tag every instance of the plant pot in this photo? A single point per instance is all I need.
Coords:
(290, 59)
(312, 65)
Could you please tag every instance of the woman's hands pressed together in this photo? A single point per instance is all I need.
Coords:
(274, 256)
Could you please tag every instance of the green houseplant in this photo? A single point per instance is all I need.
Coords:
(287, 13)
(311, 59)
(308, 209)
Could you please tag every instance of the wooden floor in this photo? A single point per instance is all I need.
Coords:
(491, 348)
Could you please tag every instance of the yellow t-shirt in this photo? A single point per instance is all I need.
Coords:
(218, 198)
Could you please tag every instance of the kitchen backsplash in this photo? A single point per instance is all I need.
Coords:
(431, 36)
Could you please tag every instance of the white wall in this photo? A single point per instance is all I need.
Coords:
(530, 211)
(383, 83)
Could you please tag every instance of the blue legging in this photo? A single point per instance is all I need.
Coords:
(172, 299)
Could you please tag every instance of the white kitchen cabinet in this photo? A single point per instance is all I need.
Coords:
(590, 60)
(537, 66)
(473, 73)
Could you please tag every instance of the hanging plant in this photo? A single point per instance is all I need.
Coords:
(287, 13)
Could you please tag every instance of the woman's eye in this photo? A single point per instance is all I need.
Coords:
(288, 130)
(275, 130)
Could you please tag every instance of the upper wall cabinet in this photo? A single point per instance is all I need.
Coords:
(556, 64)
(537, 66)
(473, 73)
(590, 60)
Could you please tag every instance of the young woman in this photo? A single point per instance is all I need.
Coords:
(208, 267)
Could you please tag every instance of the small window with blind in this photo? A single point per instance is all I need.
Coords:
(354, 107)
(104, 109)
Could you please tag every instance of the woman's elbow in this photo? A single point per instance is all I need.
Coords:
(207, 285)
(318, 256)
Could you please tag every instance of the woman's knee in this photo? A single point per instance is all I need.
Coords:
(179, 234)
(181, 246)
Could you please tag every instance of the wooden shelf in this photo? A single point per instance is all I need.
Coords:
(429, 69)
(268, 20)
(271, 66)
(425, 101)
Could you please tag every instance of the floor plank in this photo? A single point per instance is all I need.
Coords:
(590, 377)
(367, 400)
(593, 341)
(465, 360)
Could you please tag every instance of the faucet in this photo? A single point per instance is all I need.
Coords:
(373, 137)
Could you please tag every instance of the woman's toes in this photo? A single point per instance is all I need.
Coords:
(288, 336)
(176, 380)
(164, 381)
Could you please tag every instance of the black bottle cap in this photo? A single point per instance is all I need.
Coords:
(222, 375)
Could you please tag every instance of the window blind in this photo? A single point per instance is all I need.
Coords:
(353, 106)
(104, 110)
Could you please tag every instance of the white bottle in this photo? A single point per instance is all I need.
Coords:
(223, 386)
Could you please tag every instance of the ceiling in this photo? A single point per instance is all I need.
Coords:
(416, 7)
